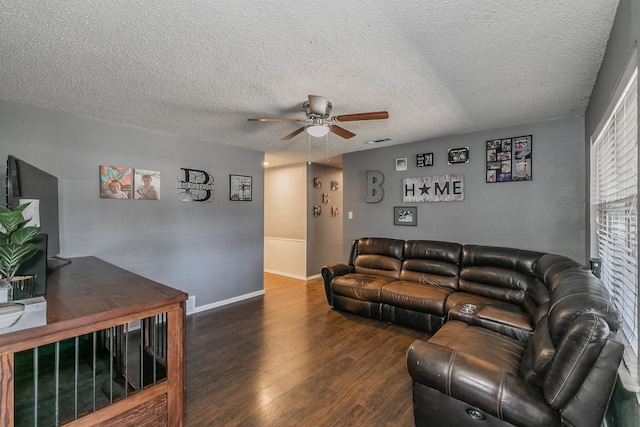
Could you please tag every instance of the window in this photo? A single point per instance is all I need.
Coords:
(614, 187)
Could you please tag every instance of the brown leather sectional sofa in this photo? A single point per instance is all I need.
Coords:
(535, 344)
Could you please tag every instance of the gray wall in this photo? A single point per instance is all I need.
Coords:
(324, 232)
(196, 247)
(622, 41)
(545, 214)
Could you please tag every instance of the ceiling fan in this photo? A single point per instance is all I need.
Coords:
(319, 122)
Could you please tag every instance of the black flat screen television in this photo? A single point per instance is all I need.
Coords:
(25, 181)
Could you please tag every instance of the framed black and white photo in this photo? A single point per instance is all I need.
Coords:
(458, 155)
(405, 215)
(425, 159)
(240, 188)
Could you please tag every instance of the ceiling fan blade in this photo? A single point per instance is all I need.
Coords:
(293, 134)
(318, 104)
(341, 132)
(375, 115)
(275, 120)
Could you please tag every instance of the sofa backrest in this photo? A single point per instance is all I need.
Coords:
(574, 351)
(432, 262)
(504, 274)
(377, 255)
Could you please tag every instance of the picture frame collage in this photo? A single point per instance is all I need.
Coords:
(509, 159)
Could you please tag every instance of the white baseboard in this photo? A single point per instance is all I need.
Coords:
(223, 302)
(293, 276)
(281, 273)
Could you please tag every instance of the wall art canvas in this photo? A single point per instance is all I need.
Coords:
(146, 184)
(440, 188)
(195, 185)
(509, 159)
(240, 188)
(115, 182)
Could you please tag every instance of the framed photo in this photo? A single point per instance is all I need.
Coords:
(317, 182)
(325, 197)
(240, 188)
(146, 184)
(334, 185)
(115, 182)
(458, 155)
(423, 160)
(401, 164)
(317, 210)
(509, 159)
(405, 215)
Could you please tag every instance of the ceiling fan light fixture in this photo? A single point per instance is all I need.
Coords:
(318, 131)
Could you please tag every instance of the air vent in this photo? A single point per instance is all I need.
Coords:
(377, 141)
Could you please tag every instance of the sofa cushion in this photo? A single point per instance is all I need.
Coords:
(495, 282)
(432, 262)
(575, 293)
(504, 274)
(416, 296)
(549, 265)
(365, 287)
(506, 315)
(509, 258)
(378, 256)
(482, 343)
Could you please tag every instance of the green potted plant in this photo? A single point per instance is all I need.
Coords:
(15, 242)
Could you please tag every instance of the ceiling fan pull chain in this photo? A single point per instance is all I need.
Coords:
(327, 147)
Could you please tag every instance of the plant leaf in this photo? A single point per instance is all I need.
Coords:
(13, 256)
(11, 221)
(23, 235)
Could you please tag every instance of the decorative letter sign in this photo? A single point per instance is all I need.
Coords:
(375, 192)
(196, 186)
(443, 188)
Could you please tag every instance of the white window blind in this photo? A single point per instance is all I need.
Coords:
(615, 184)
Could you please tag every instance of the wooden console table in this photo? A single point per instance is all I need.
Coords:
(90, 295)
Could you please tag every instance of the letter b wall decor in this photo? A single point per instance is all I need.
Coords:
(375, 192)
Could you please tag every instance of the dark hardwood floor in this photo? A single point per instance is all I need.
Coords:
(288, 359)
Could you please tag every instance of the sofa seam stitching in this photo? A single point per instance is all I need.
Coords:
(564, 381)
(450, 371)
(503, 378)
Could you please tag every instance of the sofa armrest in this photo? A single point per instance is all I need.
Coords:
(479, 383)
(333, 270)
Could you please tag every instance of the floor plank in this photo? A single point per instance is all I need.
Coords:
(288, 359)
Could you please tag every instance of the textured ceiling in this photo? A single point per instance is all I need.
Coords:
(201, 68)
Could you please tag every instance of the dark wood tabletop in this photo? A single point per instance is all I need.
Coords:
(89, 291)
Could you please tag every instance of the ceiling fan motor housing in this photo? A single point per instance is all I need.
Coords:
(317, 107)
